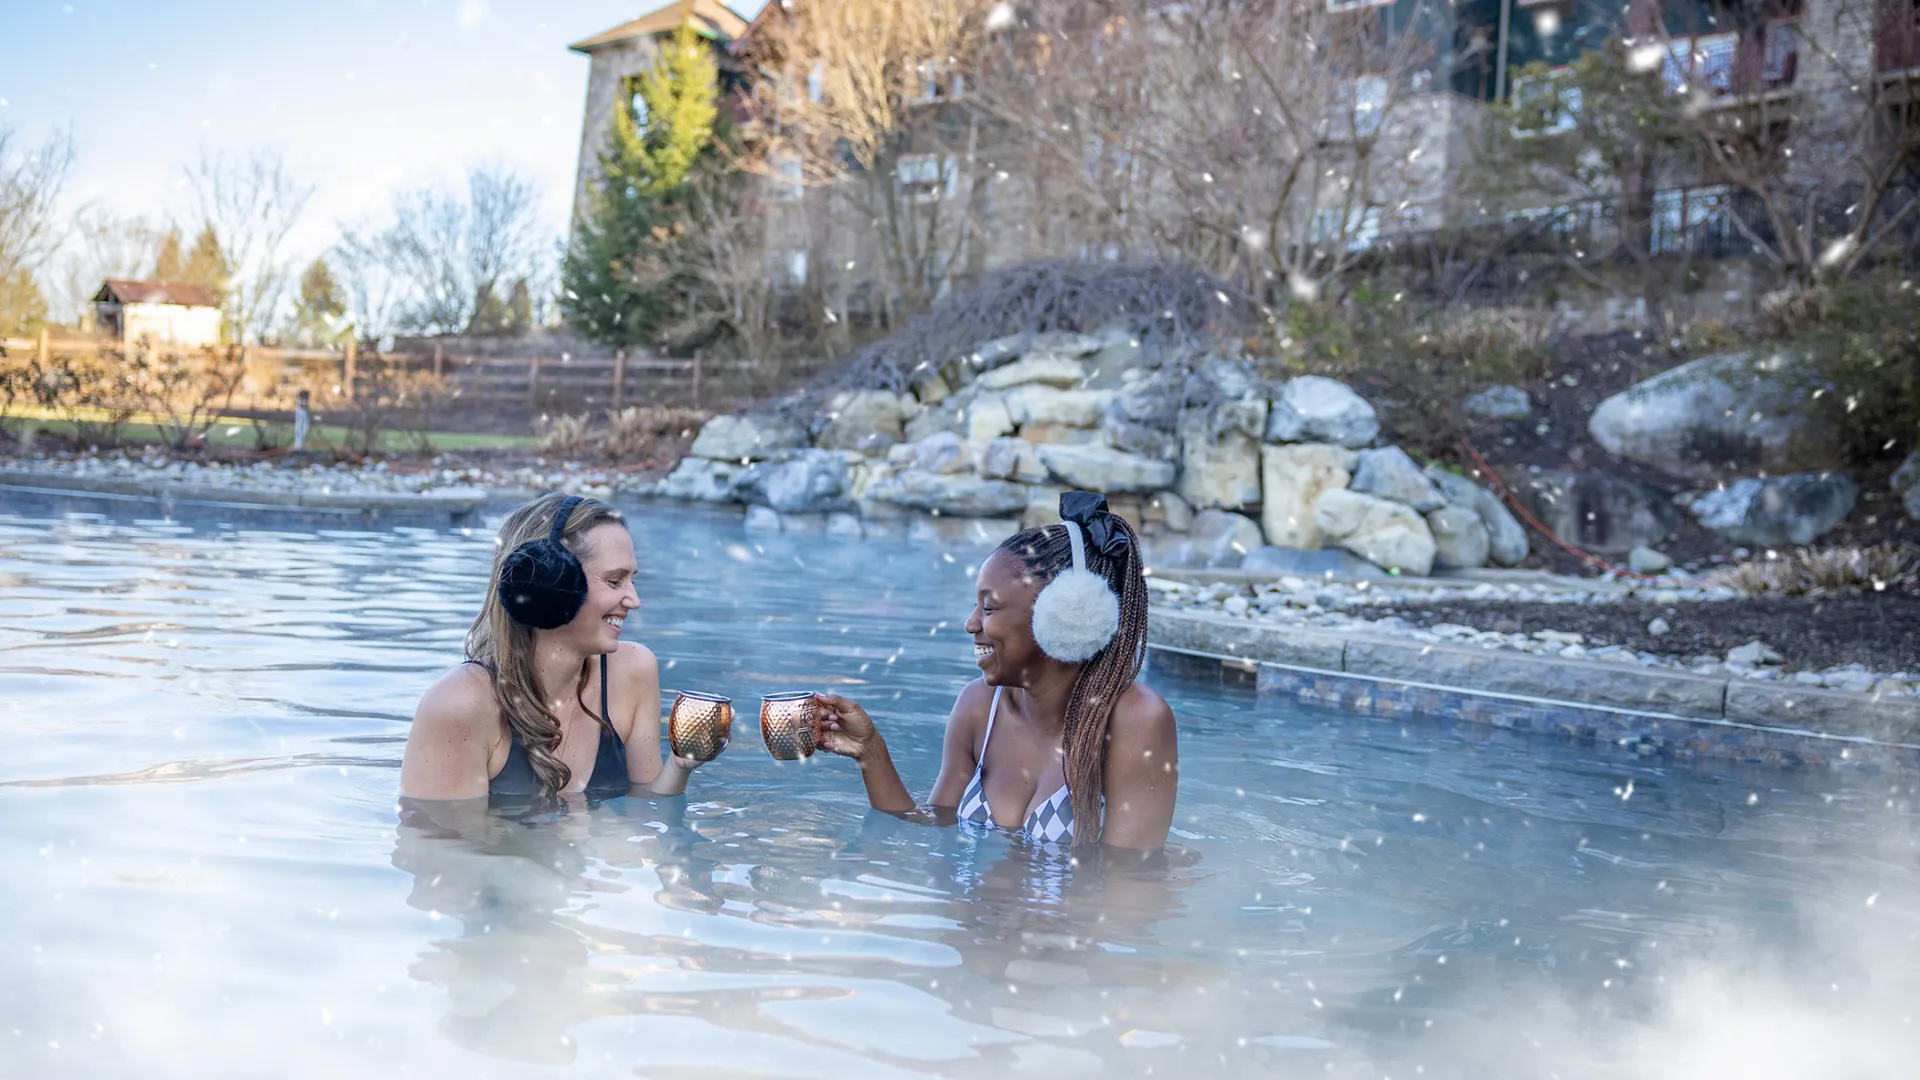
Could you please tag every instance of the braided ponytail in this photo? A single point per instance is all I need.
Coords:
(1045, 552)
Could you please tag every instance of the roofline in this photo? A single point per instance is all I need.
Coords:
(588, 45)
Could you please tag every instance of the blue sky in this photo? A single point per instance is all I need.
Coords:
(364, 96)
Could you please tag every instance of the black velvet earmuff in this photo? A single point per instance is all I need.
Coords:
(542, 584)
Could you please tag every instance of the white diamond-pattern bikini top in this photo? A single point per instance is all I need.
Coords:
(1049, 823)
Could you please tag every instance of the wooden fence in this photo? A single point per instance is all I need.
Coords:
(536, 383)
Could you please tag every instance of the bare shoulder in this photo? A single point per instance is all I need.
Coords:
(461, 702)
(1142, 716)
(970, 708)
(634, 665)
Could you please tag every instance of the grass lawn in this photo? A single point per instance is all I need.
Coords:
(240, 434)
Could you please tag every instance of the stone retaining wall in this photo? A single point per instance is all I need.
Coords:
(1648, 711)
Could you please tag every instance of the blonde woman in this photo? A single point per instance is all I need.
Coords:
(517, 720)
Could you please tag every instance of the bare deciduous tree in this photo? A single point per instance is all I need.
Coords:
(100, 245)
(252, 202)
(445, 260)
(30, 183)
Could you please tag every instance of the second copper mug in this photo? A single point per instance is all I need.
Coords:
(786, 723)
(699, 725)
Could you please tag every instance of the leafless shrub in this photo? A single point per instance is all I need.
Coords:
(1806, 572)
(566, 435)
(391, 407)
(1167, 308)
(638, 436)
(185, 392)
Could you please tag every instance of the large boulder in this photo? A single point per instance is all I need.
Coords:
(986, 418)
(747, 438)
(1292, 479)
(1008, 458)
(1218, 468)
(1094, 467)
(1506, 539)
(1459, 538)
(701, 480)
(1216, 540)
(940, 452)
(1390, 474)
(1596, 511)
(1048, 405)
(1216, 381)
(1391, 535)
(947, 493)
(1906, 484)
(865, 420)
(1778, 510)
(1133, 437)
(1312, 408)
(1045, 369)
(1718, 414)
(798, 482)
(1153, 398)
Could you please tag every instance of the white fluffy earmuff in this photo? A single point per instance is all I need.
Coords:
(1077, 613)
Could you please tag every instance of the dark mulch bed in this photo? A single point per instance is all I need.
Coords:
(1879, 630)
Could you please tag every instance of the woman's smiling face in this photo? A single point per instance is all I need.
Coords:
(1001, 624)
(608, 559)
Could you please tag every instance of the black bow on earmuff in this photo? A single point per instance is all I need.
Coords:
(1089, 511)
(542, 584)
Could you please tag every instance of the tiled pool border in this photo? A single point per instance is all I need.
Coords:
(1753, 722)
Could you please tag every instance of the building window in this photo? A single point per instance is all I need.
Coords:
(925, 178)
(935, 80)
(789, 182)
(1359, 105)
(1705, 61)
(794, 264)
(1359, 231)
(1688, 218)
(1545, 104)
(1782, 55)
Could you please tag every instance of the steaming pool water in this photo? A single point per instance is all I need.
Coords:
(206, 876)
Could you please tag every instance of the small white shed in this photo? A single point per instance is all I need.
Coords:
(158, 313)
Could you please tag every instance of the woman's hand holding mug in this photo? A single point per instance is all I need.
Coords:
(844, 728)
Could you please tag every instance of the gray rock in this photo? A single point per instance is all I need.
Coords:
(799, 482)
(701, 479)
(1316, 409)
(1292, 478)
(1216, 381)
(1309, 563)
(1104, 469)
(762, 519)
(1154, 398)
(1225, 537)
(1659, 627)
(1734, 412)
(1596, 511)
(1906, 484)
(1459, 538)
(1174, 510)
(865, 420)
(1500, 403)
(1218, 469)
(1011, 459)
(1048, 405)
(955, 495)
(935, 418)
(1389, 473)
(1506, 539)
(941, 452)
(1779, 509)
(747, 438)
(1390, 535)
(1136, 438)
(1645, 560)
(1753, 654)
(986, 417)
(844, 526)
(1044, 369)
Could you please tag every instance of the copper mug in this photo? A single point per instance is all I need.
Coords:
(786, 723)
(699, 725)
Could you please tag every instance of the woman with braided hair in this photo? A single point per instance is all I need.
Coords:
(1055, 740)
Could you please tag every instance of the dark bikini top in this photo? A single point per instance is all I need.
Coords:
(518, 782)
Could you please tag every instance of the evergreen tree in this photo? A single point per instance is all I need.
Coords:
(605, 295)
(22, 309)
(520, 306)
(317, 314)
(168, 265)
(206, 265)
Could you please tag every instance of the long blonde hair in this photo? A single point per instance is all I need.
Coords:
(505, 647)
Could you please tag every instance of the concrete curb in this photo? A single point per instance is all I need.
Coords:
(1649, 710)
(453, 504)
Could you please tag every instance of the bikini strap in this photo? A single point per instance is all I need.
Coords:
(992, 711)
(606, 719)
